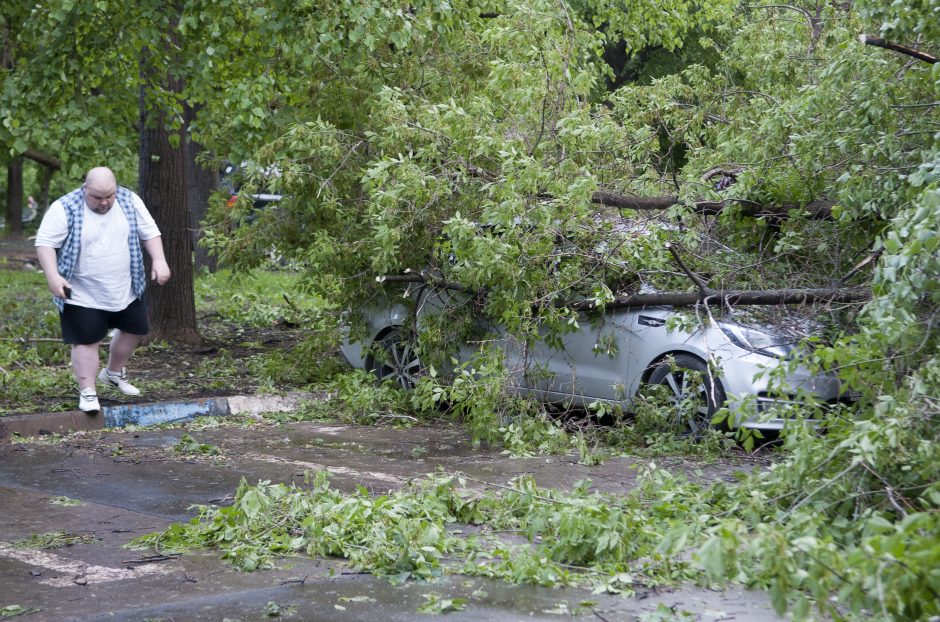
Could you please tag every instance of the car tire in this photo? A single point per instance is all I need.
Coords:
(708, 394)
(396, 360)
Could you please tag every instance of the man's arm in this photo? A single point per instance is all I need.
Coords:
(55, 281)
(159, 268)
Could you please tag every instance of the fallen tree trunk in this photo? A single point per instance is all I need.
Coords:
(735, 297)
(712, 297)
(816, 210)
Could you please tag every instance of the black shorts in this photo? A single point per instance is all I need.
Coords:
(83, 326)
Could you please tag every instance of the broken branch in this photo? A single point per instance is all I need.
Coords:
(820, 209)
(859, 267)
(151, 559)
(425, 277)
(702, 286)
(897, 47)
(46, 160)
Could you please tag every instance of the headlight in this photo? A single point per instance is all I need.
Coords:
(758, 341)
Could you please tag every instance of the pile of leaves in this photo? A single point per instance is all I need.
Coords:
(666, 530)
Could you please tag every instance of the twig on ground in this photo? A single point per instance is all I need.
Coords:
(151, 559)
(302, 581)
(32, 339)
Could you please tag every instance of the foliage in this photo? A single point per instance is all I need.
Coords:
(256, 298)
(11, 611)
(274, 610)
(354, 397)
(436, 604)
(405, 534)
(189, 446)
(653, 429)
(54, 540)
(665, 613)
(65, 501)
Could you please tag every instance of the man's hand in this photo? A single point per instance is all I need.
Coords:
(159, 268)
(58, 285)
(160, 272)
(54, 280)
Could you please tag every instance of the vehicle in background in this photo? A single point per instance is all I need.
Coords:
(232, 179)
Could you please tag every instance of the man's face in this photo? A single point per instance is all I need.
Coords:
(100, 199)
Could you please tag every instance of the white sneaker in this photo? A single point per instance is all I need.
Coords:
(118, 379)
(88, 402)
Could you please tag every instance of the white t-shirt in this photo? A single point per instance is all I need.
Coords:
(102, 278)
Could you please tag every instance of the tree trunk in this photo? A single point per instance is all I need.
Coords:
(162, 173)
(14, 212)
(200, 182)
(713, 297)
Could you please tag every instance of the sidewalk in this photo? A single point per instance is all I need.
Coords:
(144, 414)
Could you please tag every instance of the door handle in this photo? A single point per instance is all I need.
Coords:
(648, 320)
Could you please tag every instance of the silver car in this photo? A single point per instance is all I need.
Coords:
(612, 356)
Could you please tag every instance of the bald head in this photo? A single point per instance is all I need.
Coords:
(100, 189)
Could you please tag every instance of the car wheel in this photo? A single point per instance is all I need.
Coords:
(694, 393)
(396, 360)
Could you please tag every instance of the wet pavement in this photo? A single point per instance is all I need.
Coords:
(107, 487)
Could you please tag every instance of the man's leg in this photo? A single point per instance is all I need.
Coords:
(85, 364)
(122, 346)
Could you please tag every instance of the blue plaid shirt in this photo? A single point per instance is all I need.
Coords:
(67, 260)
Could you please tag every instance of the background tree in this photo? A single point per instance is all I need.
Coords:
(85, 73)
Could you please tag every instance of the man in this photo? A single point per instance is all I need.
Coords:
(91, 256)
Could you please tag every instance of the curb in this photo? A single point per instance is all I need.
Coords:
(146, 414)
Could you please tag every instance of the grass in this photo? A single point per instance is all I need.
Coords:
(35, 371)
(254, 299)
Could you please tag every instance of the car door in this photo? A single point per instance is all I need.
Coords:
(592, 363)
(434, 302)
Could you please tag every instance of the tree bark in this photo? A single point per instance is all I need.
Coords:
(162, 173)
(200, 182)
(815, 210)
(14, 211)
